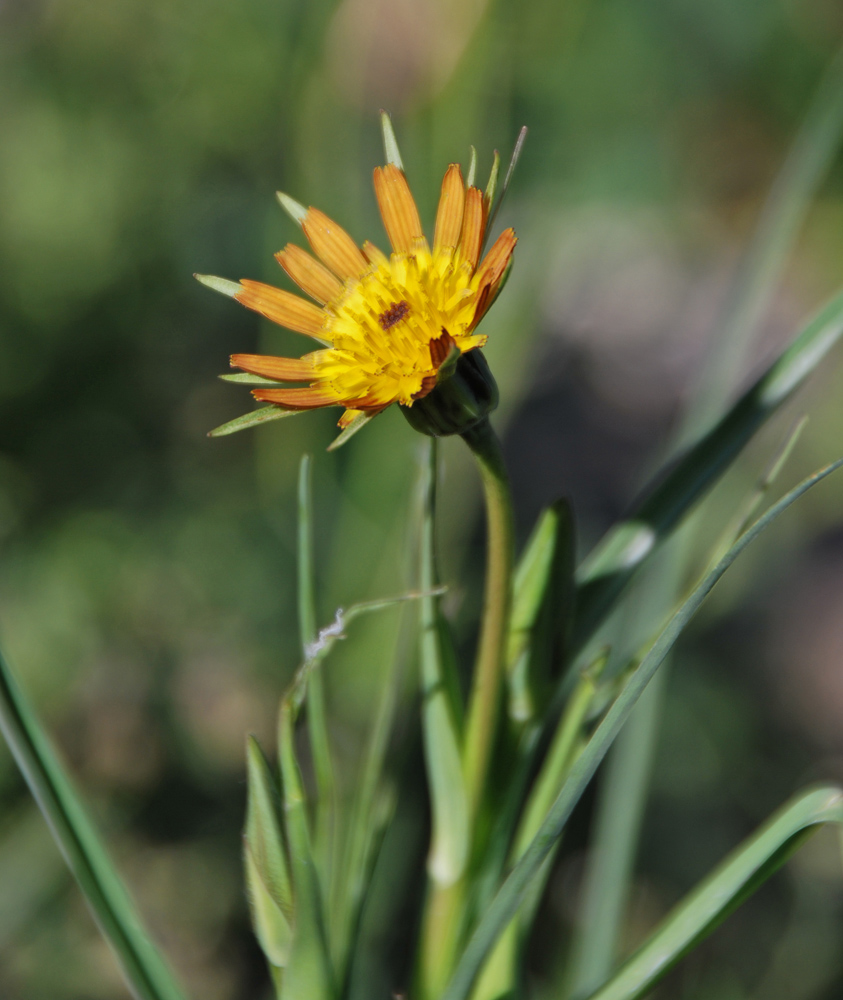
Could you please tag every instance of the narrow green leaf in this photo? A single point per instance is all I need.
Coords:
(358, 423)
(785, 209)
(613, 843)
(317, 725)
(541, 605)
(390, 143)
(623, 790)
(449, 802)
(500, 970)
(514, 889)
(308, 974)
(267, 871)
(145, 970)
(725, 889)
(253, 419)
(607, 570)
(513, 162)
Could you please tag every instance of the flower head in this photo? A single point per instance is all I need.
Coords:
(391, 326)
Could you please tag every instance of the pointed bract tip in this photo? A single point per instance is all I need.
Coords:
(472, 168)
(491, 187)
(348, 432)
(390, 143)
(296, 211)
(221, 285)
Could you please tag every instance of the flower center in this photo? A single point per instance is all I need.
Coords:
(386, 328)
(393, 315)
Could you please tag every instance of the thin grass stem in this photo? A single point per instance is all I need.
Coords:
(317, 726)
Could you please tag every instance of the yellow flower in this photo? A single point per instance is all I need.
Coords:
(388, 324)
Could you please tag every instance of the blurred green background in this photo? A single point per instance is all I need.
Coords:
(146, 572)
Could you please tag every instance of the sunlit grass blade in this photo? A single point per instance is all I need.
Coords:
(145, 970)
(265, 860)
(724, 890)
(253, 419)
(542, 594)
(440, 727)
(517, 885)
(607, 570)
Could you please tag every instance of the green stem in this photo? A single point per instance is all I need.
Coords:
(485, 693)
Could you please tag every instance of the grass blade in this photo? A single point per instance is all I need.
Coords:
(542, 593)
(723, 891)
(607, 570)
(143, 967)
(448, 798)
(317, 726)
(624, 783)
(623, 792)
(515, 888)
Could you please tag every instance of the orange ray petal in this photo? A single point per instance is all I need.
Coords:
(427, 386)
(281, 307)
(473, 222)
(282, 369)
(312, 277)
(496, 260)
(374, 254)
(398, 210)
(440, 348)
(333, 246)
(297, 399)
(491, 272)
(450, 212)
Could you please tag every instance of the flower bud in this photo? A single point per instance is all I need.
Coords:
(459, 401)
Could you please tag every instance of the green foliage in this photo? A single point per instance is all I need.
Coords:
(145, 579)
(722, 891)
(147, 975)
(265, 862)
(517, 884)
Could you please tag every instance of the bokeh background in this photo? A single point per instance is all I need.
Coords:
(146, 572)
